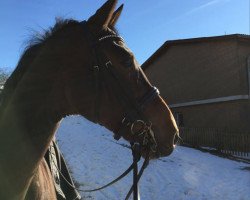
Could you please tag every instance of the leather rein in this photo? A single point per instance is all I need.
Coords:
(133, 117)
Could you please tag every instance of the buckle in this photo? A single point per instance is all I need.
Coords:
(141, 129)
(96, 68)
(126, 121)
(109, 63)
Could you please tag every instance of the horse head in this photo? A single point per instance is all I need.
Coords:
(105, 84)
(77, 68)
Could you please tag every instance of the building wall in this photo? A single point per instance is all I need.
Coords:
(198, 71)
(230, 115)
(244, 56)
(206, 70)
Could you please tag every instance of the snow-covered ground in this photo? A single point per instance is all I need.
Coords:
(95, 158)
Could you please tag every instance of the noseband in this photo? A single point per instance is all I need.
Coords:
(134, 115)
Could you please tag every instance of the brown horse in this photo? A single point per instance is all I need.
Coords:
(55, 78)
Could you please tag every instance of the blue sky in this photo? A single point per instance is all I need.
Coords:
(144, 24)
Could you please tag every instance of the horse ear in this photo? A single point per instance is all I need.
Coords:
(102, 16)
(115, 16)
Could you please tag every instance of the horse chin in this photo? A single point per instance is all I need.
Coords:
(166, 151)
(161, 152)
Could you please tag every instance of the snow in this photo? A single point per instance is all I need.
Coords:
(95, 158)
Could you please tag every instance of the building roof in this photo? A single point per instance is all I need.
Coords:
(170, 43)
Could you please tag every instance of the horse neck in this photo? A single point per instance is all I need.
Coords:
(27, 126)
(25, 131)
(30, 118)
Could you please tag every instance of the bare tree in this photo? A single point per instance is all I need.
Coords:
(4, 74)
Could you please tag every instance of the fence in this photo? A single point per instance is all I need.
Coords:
(226, 141)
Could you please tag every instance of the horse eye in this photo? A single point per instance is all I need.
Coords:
(128, 62)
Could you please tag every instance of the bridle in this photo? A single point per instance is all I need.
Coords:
(134, 115)
(134, 108)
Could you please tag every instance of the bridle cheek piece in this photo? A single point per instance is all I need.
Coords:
(134, 108)
(134, 116)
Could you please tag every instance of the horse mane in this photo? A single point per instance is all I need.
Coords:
(41, 37)
(34, 45)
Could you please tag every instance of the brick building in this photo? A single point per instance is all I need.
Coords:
(205, 80)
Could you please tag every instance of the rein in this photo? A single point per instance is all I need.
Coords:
(134, 112)
(134, 166)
